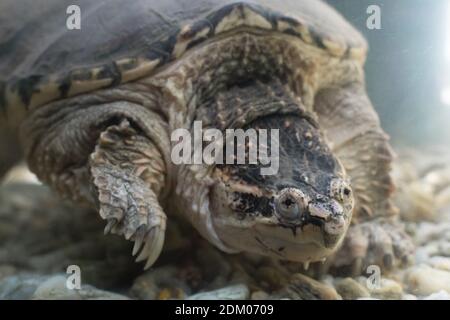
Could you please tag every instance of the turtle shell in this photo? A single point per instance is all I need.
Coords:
(121, 41)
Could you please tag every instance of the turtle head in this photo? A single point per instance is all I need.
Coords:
(299, 213)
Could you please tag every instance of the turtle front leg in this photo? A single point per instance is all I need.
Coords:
(379, 242)
(108, 155)
(127, 174)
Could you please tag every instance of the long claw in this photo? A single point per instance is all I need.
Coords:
(143, 255)
(128, 234)
(110, 225)
(153, 246)
(156, 249)
(150, 239)
(138, 241)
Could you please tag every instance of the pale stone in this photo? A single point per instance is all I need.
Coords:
(424, 280)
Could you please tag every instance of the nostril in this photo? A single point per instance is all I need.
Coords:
(290, 203)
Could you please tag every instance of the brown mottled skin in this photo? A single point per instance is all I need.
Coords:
(95, 110)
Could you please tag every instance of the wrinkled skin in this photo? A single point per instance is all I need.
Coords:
(299, 214)
(111, 149)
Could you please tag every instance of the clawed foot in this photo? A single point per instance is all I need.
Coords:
(380, 243)
(131, 210)
(123, 167)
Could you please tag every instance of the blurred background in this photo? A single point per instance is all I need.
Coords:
(408, 81)
(408, 67)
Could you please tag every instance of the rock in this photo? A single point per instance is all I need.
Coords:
(424, 280)
(239, 275)
(350, 289)
(55, 288)
(416, 201)
(438, 262)
(259, 295)
(302, 287)
(388, 289)
(160, 283)
(444, 248)
(32, 286)
(19, 287)
(408, 296)
(58, 235)
(236, 292)
(425, 254)
(441, 295)
(271, 276)
(427, 232)
(6, 271)
(20, 174)
(422, 254)
(327, 280)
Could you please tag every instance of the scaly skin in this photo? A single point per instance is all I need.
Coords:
(109, 146)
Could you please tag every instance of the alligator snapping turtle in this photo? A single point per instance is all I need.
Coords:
(95, 109)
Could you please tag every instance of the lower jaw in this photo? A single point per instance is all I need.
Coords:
(298, 252)
(299, 249)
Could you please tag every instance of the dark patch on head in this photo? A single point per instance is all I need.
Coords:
(252, 205)
(297, 157)
(325, 162)
(306, 163)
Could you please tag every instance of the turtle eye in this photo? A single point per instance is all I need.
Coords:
(288, 204)
(340, 190)
(347, 191)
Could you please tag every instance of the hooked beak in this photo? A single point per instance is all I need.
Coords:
(331, 212)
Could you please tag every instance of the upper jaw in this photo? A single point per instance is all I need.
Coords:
(302, 209)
